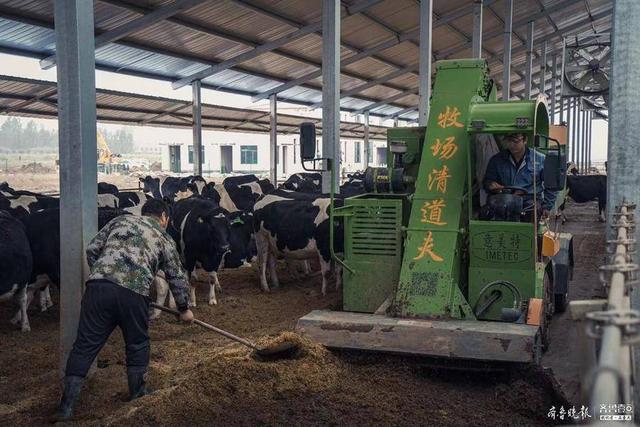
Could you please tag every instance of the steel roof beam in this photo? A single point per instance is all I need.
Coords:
(12, 15)
(268, 47)
(372, 83)
(385, 101)
(157, 15)
(24, 103)
(394, 41)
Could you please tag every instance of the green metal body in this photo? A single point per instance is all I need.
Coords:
(447, 256)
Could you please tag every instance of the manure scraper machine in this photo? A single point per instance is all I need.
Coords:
(424, 272)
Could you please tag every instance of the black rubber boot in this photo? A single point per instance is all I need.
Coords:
(137, 386)
(72, 387)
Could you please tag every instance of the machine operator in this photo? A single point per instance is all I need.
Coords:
(124, 258)
(514, 166)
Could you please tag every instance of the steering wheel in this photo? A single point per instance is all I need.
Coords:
(511, 189)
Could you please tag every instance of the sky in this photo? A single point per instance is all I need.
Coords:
(147, 135)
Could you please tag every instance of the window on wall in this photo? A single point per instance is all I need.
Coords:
(191, 154)
(370, 154)
(356, 152)
(249, 154)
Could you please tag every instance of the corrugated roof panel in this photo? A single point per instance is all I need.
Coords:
(22, 36)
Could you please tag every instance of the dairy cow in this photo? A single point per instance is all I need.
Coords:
(586, 188)
(170, 188)
(308, 182)
(15, 266)
(237, 193)
(201, 232)
(294, 229)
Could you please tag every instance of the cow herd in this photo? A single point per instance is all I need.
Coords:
(226, 225)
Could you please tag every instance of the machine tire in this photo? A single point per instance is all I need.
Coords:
(560, 302)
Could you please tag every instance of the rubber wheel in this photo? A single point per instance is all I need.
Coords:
(560, 302)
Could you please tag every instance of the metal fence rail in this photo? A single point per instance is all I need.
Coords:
(616, 328)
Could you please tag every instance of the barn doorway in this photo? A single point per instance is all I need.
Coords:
(226, 159)
(381, 154)
(174, 159)
(285, 168)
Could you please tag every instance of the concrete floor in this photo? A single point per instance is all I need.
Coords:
(565, 355)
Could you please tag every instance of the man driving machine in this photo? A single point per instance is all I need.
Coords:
(512, 170)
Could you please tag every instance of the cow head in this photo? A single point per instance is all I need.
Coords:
(243, 246)
(212, 231)
(149, 184)
(209, 192)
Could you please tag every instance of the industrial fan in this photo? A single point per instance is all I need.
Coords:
(587, 68)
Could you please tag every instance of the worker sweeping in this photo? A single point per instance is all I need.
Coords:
(515, 167)
(124, 258)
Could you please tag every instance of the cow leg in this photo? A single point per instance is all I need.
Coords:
(217, 282)
(23, 297)
(307, 268)
(45, 298)
(325, 269)
(162, 288)
(213, 284)
(192, 295)
(172, 301)
(272, 270)
(601, 208)
(338, 269)
(263, 256)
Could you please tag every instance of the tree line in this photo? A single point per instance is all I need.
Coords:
(18, 135)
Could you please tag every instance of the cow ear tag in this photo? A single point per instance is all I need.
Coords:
(200, 220)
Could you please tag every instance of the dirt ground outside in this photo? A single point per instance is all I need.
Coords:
(201, 379)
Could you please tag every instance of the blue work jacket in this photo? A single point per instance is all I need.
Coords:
(502, 169)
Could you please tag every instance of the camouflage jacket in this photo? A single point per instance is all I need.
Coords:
(130, 250)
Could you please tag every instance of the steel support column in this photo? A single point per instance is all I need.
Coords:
(528, 63)
(590, 138)
(574, 128)
(396, 120)
(554, 83)
(367, 147)
(196, 90)
(476, 41)
(543, 68)
(506, 70)
(562, 109)
(331, 90)
(78, 156)
(584, 141)
(426, 25)
(624, 146)
(273, 140)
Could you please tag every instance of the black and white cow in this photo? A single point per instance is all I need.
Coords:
(242, 245)
(106, 188)
(22, 203)
(168, 188)
(201, 231)
(43, 233)
(238, 193)
(294, 229)
(586, 188)
(308, 182)
(132, 201)
(15, 266)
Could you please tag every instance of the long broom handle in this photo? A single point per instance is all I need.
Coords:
(208, 326)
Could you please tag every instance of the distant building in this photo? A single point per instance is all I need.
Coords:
(253, 157)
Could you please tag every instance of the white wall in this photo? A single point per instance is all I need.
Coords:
(212, 141)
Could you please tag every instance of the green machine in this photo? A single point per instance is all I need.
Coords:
(425, 271)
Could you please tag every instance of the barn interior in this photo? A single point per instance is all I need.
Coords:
(370, 68)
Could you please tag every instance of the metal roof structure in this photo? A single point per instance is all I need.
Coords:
(260, 47)
(38, 98)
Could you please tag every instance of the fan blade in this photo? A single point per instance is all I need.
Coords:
(602, 80)
(605, 57)
(582, 81)
(584, 54)
(574, 68)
